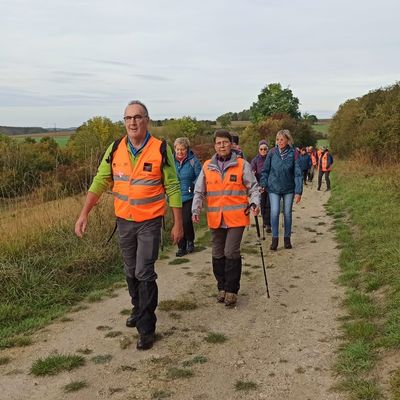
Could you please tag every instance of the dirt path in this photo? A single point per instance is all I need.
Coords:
(284, 345)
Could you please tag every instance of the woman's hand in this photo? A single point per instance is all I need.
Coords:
(297, 198)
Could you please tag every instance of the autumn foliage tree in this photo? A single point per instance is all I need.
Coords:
(368, 125)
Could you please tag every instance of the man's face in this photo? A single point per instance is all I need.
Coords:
(136, 121)
(222, 146)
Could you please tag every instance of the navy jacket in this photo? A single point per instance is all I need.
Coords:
(282, 176)
(187, 173)
(305, 162)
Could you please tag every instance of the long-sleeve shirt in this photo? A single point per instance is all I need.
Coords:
(249, 181)
(103, 179)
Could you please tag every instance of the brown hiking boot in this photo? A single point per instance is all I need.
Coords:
(221, 296)
(230, 299)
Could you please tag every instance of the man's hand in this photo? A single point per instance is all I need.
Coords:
(81, 225)
(177, 232)
(196, 218)
(297, 198)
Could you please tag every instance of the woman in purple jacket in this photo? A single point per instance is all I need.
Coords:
(257, 164)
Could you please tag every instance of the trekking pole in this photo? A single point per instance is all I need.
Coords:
(162, 234)
(247, 211)
(262, 253)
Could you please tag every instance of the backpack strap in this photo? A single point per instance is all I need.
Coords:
(113, 149)
(163, 151)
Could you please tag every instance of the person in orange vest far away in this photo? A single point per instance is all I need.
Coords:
(325, 162)
(229, 186)
(141, 171)
(313, 155)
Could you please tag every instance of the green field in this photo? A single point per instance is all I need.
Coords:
(60, 139)
(323, 142)
(322, 128)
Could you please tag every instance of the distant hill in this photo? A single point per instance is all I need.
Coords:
(14, 130)
(32, 130)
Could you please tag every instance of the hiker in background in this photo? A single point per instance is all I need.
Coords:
(235, 145)
(283, 179)
(257, 164)
(313, 155)
(141, 170)
(226, 181)
(325, 162)
(188, 168)
(305, 163)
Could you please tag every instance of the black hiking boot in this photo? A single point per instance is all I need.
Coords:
(131, 321)
(145, 342)
(181, 252)
(274, 243)
(190, 247)
(287, 243)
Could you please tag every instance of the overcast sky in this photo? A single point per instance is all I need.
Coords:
(63, 62)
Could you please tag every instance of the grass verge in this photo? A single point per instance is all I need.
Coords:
(366, 226)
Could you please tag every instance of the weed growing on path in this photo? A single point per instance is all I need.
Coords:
(176, 305)
(53, 365)
(245, 385)
(75, 386)
(215, 337)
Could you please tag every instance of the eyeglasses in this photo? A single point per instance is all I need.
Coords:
(136, 118)
(222, 144)
(263, 149)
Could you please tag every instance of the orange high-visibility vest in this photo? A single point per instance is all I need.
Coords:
(313, 158)
(138, 192)
(227, 197)
(324, 163)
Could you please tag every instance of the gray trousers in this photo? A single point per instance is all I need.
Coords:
(139, 242)
(226, 242)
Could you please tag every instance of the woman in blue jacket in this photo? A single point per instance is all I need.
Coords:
(283, 179)
(188, 168)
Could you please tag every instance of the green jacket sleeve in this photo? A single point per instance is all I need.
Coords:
(171, 181)
(103, 179)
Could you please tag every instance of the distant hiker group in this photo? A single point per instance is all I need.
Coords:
(145, 173)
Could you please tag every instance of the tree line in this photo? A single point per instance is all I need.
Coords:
(368, 126)
(28, 166)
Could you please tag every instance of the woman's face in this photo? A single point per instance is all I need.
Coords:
(262, 150)
(281, 141)
(180, 151)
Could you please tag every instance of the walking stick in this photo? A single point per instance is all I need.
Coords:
(247, 212)
(262, 253)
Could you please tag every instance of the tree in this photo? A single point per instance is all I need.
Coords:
(181, 127)
(310, 118)
(272, 100)
(92, 138)
(225, 120)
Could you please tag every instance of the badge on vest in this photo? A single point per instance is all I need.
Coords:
(233, 178)
(148, 167)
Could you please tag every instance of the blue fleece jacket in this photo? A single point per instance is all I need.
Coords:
(187, 172)
(282, 176)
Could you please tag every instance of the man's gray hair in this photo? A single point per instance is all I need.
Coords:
(139, 103)
(286, 134)
(182, 141)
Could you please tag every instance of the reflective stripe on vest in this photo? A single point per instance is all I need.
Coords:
(227, 197)
(138, 192)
